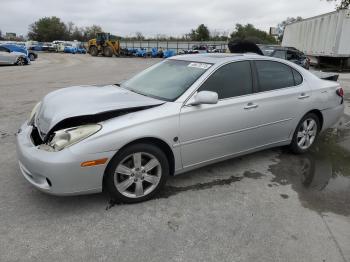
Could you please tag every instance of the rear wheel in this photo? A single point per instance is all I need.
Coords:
(93, 51)
(305, 133)
(31, 57)
(107, 51)
(136, 173)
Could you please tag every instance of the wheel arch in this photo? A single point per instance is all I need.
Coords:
(319, 114)
(152, 141)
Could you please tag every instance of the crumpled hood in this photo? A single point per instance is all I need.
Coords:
(86, 100)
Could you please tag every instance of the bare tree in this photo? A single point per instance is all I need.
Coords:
(139, 36)
(342, 4)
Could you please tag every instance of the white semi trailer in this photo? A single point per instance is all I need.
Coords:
(325, 37)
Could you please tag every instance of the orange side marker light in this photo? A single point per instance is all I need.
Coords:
(94, 162)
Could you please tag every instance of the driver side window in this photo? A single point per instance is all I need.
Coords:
(231, 80)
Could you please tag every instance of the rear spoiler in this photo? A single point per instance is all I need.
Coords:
(326, 76)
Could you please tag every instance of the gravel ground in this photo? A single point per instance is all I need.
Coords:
(267, 206)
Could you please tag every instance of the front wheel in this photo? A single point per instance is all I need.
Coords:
(136, 173)
(305, 133)
(20, 61)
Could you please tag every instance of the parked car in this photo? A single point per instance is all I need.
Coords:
(291, 54)
(73, 49)
(81, 50)
(182, 113)
(57, 46)
(18, 48)
(8, 57)
(68, 48)
(196, 49)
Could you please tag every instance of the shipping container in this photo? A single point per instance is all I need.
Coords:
(326, 35)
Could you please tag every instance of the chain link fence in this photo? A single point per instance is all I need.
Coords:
(176, 46)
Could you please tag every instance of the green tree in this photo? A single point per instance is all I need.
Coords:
(281, 26)
(344, 4)
(200, 34)
(48, 29)
(90, 31)
(78, 34)
(249, 33)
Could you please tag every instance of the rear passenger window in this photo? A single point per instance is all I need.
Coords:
(298, 79)
(273, 75)
(234, 79)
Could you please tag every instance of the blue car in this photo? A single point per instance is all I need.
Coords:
(70, 49)
(19, 49)
(74, 50)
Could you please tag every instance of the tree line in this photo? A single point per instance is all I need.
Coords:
(48, 29)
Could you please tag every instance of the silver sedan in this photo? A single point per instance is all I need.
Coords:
(180, 114)
(8, 57)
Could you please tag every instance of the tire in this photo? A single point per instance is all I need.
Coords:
(31, 57)
(305, 134)
(20, 61)
(107, 51)
(93, 51)
(133, 183)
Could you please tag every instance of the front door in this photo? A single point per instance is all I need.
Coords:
(209, 132)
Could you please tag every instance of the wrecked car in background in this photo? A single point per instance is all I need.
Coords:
(22, 48)
(128, 139)
(10, 55)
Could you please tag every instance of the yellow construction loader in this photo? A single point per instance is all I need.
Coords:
(105, 44)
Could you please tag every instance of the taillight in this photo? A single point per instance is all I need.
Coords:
(340, 92)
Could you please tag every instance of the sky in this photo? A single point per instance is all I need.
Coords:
(168, 17)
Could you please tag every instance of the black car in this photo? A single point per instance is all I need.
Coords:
(32, 55)
(291, 54)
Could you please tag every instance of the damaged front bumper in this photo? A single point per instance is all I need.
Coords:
(58, 173)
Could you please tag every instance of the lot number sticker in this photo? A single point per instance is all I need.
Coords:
(199, 65)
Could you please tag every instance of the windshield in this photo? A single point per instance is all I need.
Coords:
(167, 80)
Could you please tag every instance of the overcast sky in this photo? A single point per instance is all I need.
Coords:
(170, 17)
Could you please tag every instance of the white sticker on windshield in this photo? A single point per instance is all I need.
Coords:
(200, 65)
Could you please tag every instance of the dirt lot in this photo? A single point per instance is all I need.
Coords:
(268, 206)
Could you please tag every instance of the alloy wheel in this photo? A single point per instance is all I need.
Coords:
(20, 61)
(307, 133)
(137, 175)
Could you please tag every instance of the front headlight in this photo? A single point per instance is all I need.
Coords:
(33, 113)
(67, 137)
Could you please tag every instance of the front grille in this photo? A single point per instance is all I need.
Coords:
(36, 139)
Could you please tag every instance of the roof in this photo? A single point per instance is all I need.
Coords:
(213, 58)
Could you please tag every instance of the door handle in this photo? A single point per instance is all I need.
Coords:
(303, 96)
(250, 106)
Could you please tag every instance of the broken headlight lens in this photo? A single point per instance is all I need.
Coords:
(33, 113)
(69, 136)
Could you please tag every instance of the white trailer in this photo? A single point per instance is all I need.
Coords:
(326, 35)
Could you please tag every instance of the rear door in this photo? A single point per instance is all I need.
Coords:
(282, 99)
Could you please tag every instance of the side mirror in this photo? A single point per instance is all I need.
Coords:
(204, 97)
